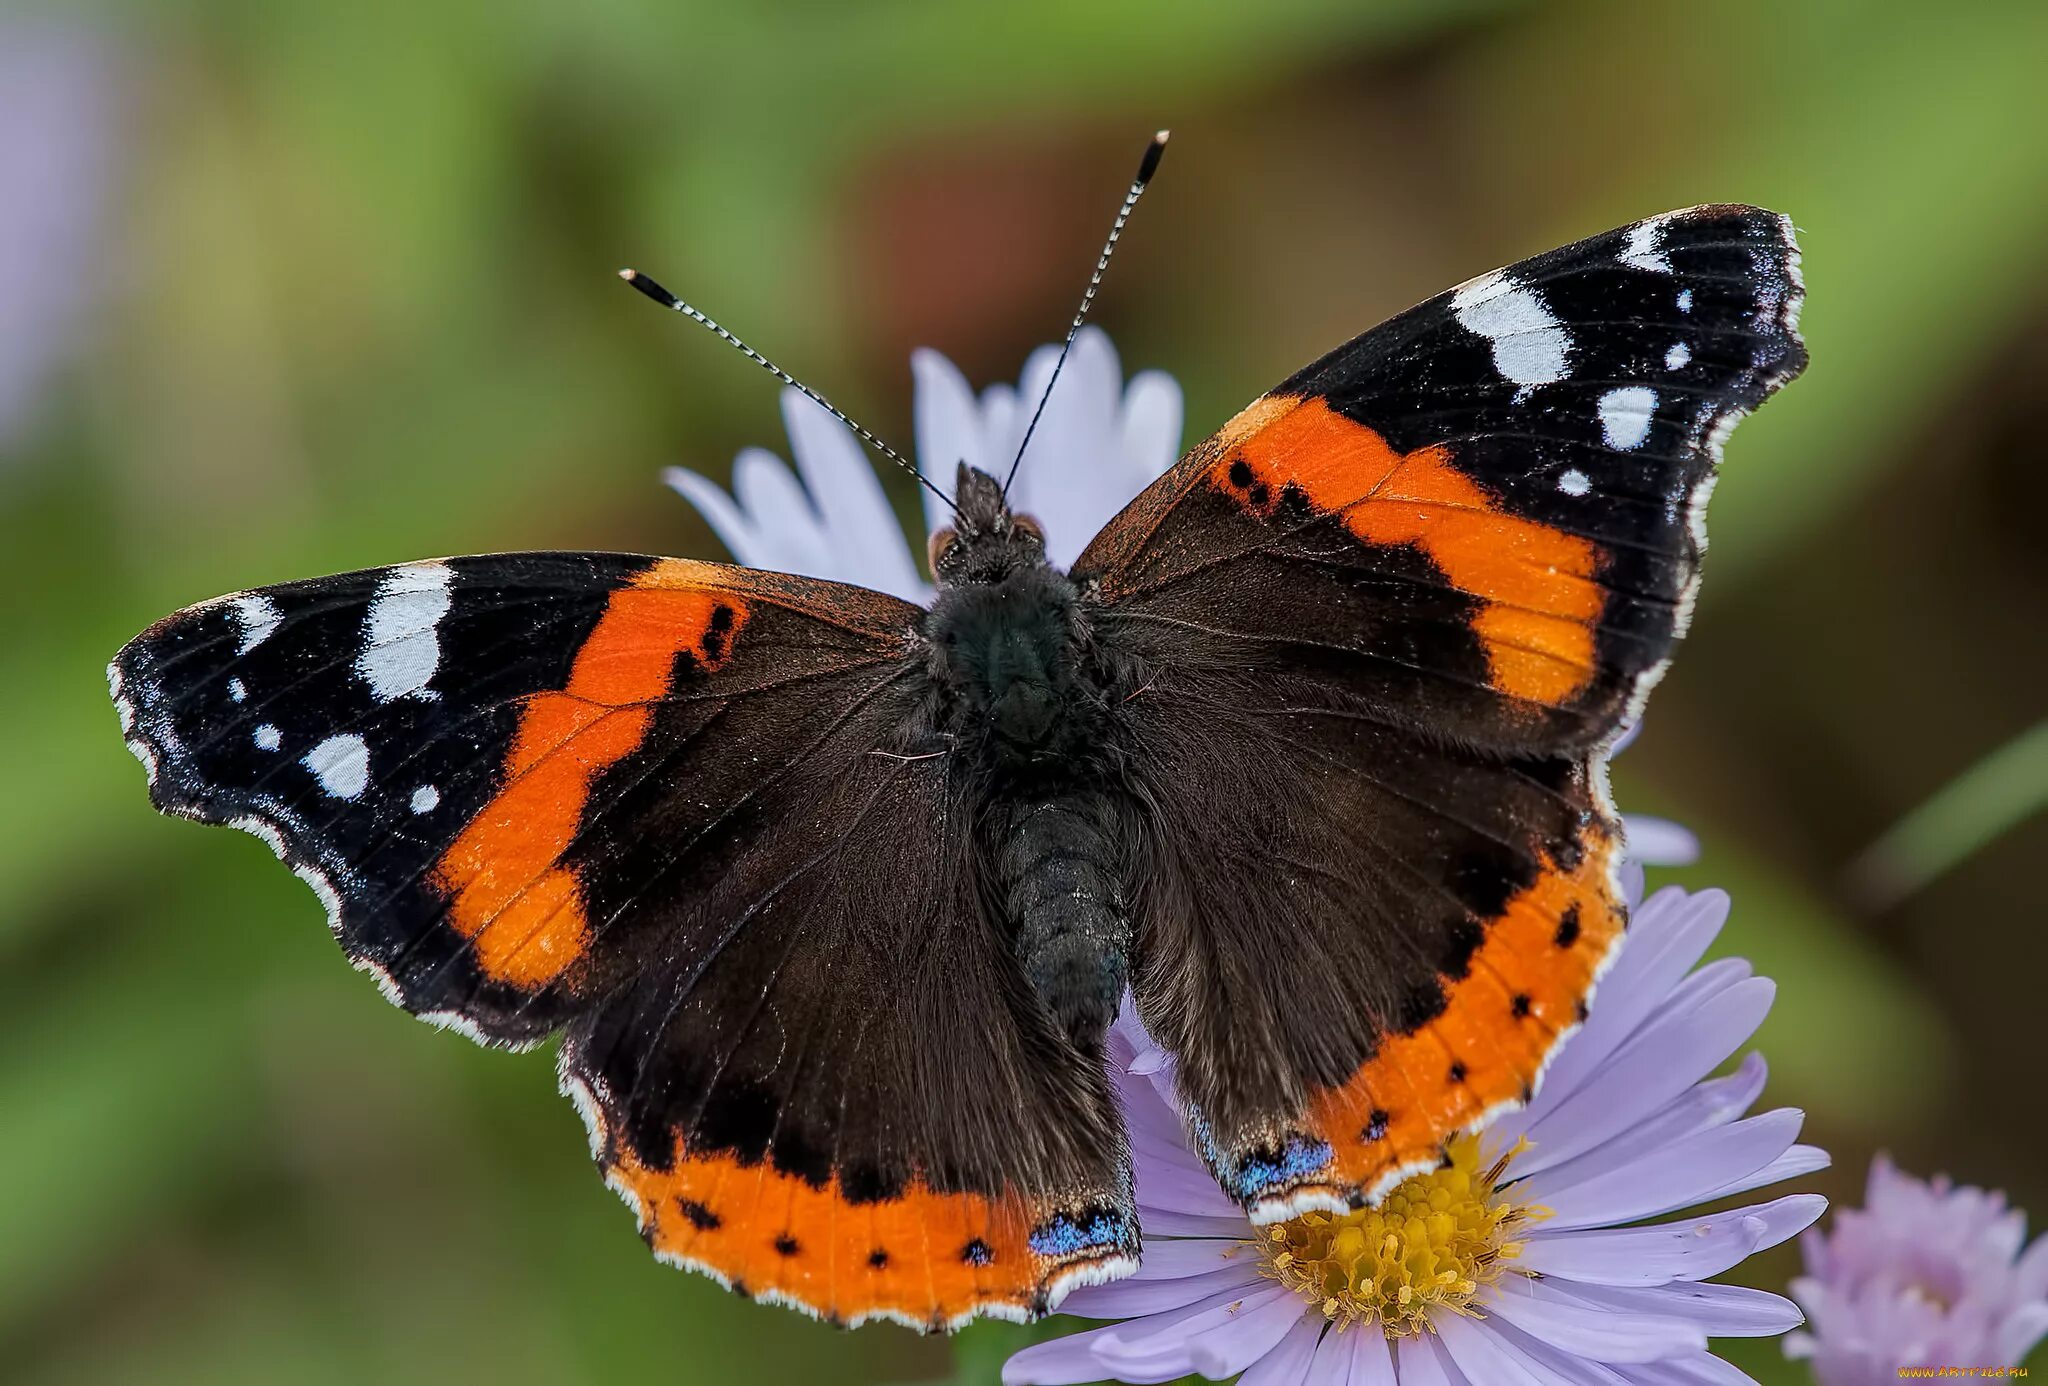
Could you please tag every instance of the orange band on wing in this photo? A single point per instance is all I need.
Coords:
(1541, 603)
(511, 894)
(923, 1258)
(1500, 1023)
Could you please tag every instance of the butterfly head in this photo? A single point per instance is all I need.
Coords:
(985, 544)
(1005, 631)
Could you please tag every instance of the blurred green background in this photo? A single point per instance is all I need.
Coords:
(294, 287)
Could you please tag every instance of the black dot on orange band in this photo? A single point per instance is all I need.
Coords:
(878, 1259)
(1240, 474)
(713, 644)
(721, 619)
(1458, 1071)
(1376, 1125)
(701, 1218)
(1259, 493)
(1568, 927)
(786, 1245)
(977, 1253)
(1521, 1005)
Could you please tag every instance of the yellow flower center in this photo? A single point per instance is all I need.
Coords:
(1428, 1247)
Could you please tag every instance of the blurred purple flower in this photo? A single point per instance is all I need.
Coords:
(1925, 1275)
(1524, 1266)
(57, 110)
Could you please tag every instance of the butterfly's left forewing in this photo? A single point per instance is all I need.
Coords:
(1390, 617)
(681, 811)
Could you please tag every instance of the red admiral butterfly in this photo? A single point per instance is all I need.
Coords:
(831, 897)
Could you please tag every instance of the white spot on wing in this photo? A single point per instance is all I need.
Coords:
(1685, 300)
(1625, 415)
(341, 764)
(259, 617)
(400, 647)
(1574, 483)
(268, 738)
(425, 799)
(1677, 356)
(1644, 248)
(1530, 346)
(237, 689)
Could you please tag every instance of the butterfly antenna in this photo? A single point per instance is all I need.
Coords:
(668, 300)
(1146, 168)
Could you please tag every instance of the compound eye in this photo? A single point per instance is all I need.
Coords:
(1026, 524)
(941, 541)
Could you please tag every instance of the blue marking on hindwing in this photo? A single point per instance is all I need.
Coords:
(1299, 1158)
(1063, 1236)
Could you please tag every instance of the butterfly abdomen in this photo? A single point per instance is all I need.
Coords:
(1061, 890)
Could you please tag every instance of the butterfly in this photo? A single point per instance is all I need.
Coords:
(831, 898)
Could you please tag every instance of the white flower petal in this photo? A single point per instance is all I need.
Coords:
(1659, 841)
(1372, 1360)
(1721, 1311)
(1692, 1175)
(1140, 1350)
(1068, 1361)
(1176, 1188)
(1422, 1363)
(1154, 409)
(1583, 1371)
(1673, 1052)
(1483, 1356)
(864, 536)
(1331, 1365)
(948, 428)
(1287, 1364)
(1173, 1258)
(1160, 1223)
(1704, 1106)
(1255, 1331)
(726, 520)
(1604, 1336)
(1693, 1249)
(1695, 1369)
(1134, 1299)
(1795, 1163)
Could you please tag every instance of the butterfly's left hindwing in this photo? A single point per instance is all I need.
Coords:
(1391, 615)
(685, 812)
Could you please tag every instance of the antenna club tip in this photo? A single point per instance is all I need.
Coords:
(1153, 151)
(629, 275)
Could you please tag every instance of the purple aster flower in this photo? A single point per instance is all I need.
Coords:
(1926, 1275)
(1519, 1260)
